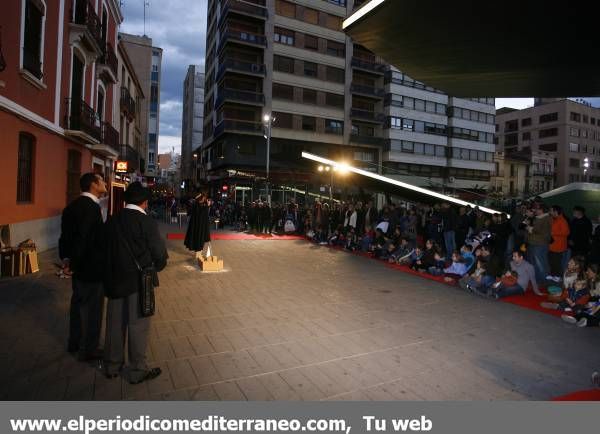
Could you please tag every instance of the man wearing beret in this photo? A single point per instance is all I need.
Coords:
(130, 234)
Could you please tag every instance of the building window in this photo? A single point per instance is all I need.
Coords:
(309, 96)
(548, 132)
(309, 123)
(333, 22)
(311, 42)
(549, 117)
(334, 100)
(336, 49)
(335, 75)
(283, 64)
(285, 9)
(25, 168)
(573, 162)
(283, 36)
(246, 148)
(527, 136)
(575, 117)
(283, 120)
(310, 69)
(526, 122)
(311, 16)
(367, 157)
(33, 24)
(574, 132)
(283, 91)
(73, 174)
(334, 127)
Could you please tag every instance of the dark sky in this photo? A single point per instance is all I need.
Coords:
(179, 28)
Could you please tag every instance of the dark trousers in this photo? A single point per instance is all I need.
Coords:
(556, 259)
(85, 322)
(124, 323)
(592, 320)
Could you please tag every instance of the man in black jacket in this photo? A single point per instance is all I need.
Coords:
(80, 249)
(580, 238)
(131, 236)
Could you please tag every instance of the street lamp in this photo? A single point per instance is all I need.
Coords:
(586, 167)
(268, 123)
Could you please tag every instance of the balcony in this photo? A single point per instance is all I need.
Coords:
(127, 104)
(243, 37)
(107, 66)
(367, 65)
(240, 66)
(86, 27)
(367, 140)
(367, 115)
(255, 9)
(373, 92)
(131, 156)
(240, 96)
(544, 173)
(238, 126)
(110, 136)
(82, 121)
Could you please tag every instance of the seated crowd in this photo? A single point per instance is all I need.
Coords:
(536, 249)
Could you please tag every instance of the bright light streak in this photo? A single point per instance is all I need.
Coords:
(361, 12)
(392, 181)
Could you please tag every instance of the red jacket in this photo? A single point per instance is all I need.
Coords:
(560, 232)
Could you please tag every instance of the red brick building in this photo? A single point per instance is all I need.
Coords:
(58, 97)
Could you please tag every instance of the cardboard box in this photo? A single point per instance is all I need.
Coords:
(212, 263)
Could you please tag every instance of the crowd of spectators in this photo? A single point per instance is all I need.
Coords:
(536, 248)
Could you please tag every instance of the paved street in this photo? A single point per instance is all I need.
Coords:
(292, 321)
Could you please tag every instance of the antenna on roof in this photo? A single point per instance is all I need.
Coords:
(146, 5)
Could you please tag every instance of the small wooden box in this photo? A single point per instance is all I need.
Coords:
(212, 263)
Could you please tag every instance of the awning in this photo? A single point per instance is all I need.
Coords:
(470, 48)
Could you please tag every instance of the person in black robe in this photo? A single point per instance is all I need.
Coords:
(198, 231)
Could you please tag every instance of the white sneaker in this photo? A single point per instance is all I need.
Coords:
(582, 322)
(549, 277)
(557, 279)
(568, 318)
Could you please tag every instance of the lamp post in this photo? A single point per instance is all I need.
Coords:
(586, 169)
(330, 170)
(268, 123)
(195, 174)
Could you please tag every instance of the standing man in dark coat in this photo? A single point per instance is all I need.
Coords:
(198, 231)
(130, 234)
(80, 249)
(580, 238)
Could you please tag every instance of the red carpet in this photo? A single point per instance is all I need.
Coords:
(531, 301)
(582, 395)
(239, 236)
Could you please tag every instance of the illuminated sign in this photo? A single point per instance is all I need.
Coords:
(122, 167)
(225, 188)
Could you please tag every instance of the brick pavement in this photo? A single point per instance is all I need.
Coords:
(288, 320)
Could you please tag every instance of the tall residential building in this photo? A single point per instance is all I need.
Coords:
(191, 128)
(147, 61)
(563, 130)
(57, 109)
(291, 60)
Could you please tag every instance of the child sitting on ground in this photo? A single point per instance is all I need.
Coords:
(413, 258)
(466, 252)
(474, 280)
(457, 269)
(588, 317)
(572, 299)
(402, 251)
(430, 258)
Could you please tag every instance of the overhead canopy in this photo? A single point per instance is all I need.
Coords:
(582, 194)
(393, 186)
(474, 48)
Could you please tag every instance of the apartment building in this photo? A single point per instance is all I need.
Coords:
(57, 108)
(290, 60)
(566, 130)
(192, 123)
(147, 62)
